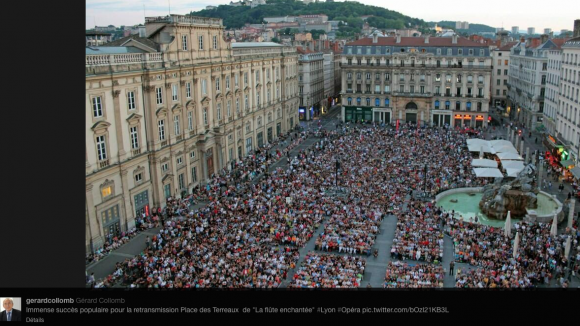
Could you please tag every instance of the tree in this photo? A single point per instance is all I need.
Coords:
(275, 40)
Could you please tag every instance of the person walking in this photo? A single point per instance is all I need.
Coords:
(451, 267)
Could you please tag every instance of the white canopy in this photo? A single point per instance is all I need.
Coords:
(478, 147)
(499, 142)
(477, 141)
(506, 149)
(507, 164)
(484, 163)
(509, 156)
(487, 173)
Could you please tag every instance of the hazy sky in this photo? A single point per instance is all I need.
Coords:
(556, 14)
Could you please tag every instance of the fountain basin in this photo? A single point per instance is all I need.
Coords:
(467, 205)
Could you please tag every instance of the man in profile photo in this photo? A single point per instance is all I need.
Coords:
(9, 314)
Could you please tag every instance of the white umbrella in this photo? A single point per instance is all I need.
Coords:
(507, 230)
(516, 244)
(567, 247)
(554, 230)
(481, 152)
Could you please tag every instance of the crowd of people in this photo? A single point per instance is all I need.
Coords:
(329, 271)
(415, 276)
(250, 231)
(539, 257)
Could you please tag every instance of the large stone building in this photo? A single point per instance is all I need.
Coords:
(310, 83)
(175, 109)
(528, 69)
(431, 80)
(552, 96)
(568, 113)
(499, 77)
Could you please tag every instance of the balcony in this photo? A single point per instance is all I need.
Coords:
(179, 138)
(349, 91)
(135, 152)
(164, 143)
(479, 96)
(409, 94)
(192, 133)
(103, 163)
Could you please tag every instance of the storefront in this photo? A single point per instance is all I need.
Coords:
(479, 121)
(358, 114)
(142, 203)
(111, 221)
(411, 117)
(467, 120)
(441, 118)
(260, 138)
(457, 120)
(278, 129)
(302, 113)
(382, 115)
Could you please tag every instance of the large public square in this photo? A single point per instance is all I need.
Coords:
(339, 205)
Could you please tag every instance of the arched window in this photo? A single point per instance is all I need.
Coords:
(358, 101)
(468, 106)
(377, 102)
(478, 106)
(387, 102)
(350, 101)
(437, 105)
(457, 105)
(447, 105)
(368, 101)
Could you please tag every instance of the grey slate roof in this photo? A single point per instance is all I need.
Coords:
(143, 40)
(254, 44)
(112, 50)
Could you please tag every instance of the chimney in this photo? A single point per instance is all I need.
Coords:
(522, 40)
(142, 32)
(375, 37)
(398, 38)
(427, 39)
(454, 39)
(577, 28)
(551, 35)
(543, 38)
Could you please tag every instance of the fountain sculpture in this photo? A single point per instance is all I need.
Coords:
(515, 196)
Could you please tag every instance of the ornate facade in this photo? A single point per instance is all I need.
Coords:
(166, 111)
(427, 80)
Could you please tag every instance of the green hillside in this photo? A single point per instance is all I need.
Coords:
(349, 12)
(473, 28)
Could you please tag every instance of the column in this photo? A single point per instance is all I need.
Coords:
(127, 204)
(571, 213)
(95, 230)
(118, 129)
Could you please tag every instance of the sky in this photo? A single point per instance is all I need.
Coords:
(558, 15)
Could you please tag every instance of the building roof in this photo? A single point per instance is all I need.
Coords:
(573, 42)
(507, 46)
(90, 50)
(417, 41)
(143, 40)
(254, 44)
(95, 33)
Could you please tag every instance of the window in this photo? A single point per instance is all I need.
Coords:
(422, 78)
(203, 87)
(101, 148)
(498, 82)
(499, 72)
(106, 192)
(460, 51)
(422, 89)
(438, 51)
(412, 89)
(258, 99)
(131, 100)
(164, 167)
(257, 76)
(167, 190)
(176, 125)
(200, 38)
(236, 80)
(449, 52)
(184, 42)
(458, 106)
(368, 101)
(97, 107)
(480, 92)
(448, 78)
(481, 52)
(358, 101)
(437, 90)
(438, 63)
(219, 111)
(402, 88)
(437, 105)
(188, 90)
(237, 106)
(349, 75)
(387, 76)
(227, 82)
(174, 92)
(229, 109)
(350, 101)
(246, 104)
(134, 138)
(358, 75)
(401, 77)
(480, 79)
(458, 92)
(194, 174)
(447, 105)
(505, 62)
(470, 79)
(468, 106)
(138, 177)
(387, 102)
(377, 88)
(161, 126)
(215, 42)
(205, 116)
(470, 51)
(159, 95)
(377, 102)
(217, 84)
(438, 77)
(248, 145)
(192, 155)
(179, 160)
(459, 78)
(190, 120)
(368, 75)
(479, 105)
(505, 72)
(469, 91)
(181, 182)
